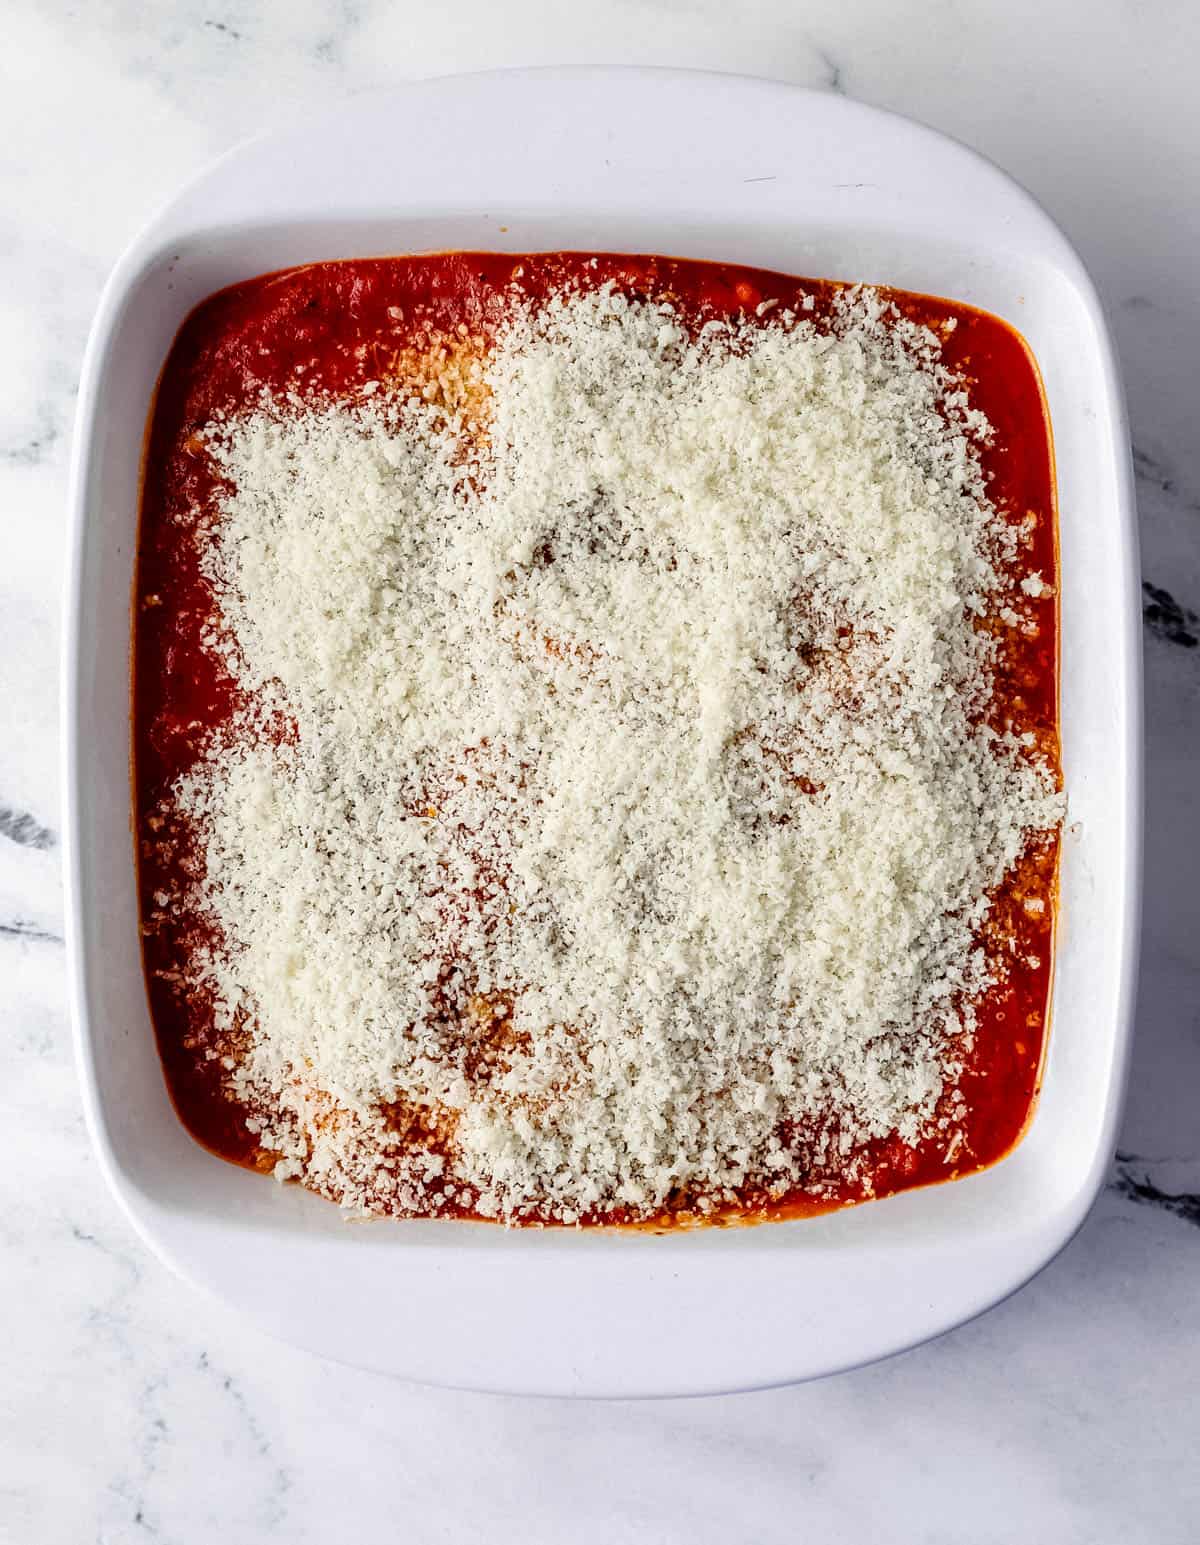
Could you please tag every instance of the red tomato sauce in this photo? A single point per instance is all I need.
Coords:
(330, 328)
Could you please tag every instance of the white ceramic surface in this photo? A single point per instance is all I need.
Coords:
(702, 166)
(133, 1408)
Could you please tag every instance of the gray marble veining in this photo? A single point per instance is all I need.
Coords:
(132, 1410)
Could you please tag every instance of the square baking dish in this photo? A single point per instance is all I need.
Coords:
(699, 166)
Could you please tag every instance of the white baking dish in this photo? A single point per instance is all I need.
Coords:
(700, 166)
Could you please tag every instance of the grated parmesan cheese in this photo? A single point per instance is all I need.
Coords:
(641, 799)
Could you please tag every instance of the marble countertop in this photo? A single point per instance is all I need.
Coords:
(129, 1408)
